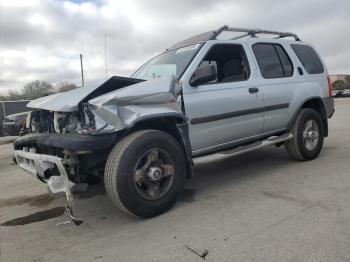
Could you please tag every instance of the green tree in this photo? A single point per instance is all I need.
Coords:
(338, 85)
(65, 86)
(11, 96)
(36, 89)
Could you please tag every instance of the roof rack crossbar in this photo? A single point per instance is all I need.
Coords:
(254, 32)
(212, 35)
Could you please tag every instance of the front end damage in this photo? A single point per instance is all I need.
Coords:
(38, 164)
(70, 136)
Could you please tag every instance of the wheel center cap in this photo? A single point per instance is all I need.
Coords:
(154, 173)
(310, 135)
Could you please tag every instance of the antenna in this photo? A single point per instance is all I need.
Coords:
(106, 53)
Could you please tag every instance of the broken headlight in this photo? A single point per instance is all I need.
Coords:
(92, 123)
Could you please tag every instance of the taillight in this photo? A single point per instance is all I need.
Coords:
(329, 86)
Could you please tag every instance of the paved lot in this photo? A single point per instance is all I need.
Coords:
(260, 206)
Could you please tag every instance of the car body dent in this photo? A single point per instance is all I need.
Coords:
(123, 108)
(63, 102)
(69, 101)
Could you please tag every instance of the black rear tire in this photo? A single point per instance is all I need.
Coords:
(303, 146)
(122, 183)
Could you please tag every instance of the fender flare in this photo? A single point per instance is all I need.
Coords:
(323, 113)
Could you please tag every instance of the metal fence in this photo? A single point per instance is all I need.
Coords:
(11, 107)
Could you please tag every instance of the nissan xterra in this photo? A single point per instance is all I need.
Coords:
(226, 91)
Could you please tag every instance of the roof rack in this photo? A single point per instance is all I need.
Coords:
(252, 33)
(212, 35)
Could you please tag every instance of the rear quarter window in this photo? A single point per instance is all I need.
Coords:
(308, 58)
(273, 60)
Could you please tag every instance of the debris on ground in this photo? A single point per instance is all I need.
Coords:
(201, 254)
(64, 223)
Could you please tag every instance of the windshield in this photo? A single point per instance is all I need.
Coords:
(169, 63)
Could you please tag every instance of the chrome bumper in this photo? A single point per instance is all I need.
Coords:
(36, 165)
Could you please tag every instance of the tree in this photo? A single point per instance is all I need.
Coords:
(347, 82)
(12, 95)
(36, 89)
(65, 86)
(338, 85)
(347, 79)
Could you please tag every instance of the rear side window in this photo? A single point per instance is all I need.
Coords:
(273, 61)
(285, 61)
(308, 58)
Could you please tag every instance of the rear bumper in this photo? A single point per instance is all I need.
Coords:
(71, 142)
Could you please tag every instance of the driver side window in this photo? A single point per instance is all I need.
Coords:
(206, 62)
(230, 61)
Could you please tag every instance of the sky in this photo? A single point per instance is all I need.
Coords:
(42, 39)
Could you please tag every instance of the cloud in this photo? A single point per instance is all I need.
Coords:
(42, 39)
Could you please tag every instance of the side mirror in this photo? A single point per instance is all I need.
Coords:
(204, 74)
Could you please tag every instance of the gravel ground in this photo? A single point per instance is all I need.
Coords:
(260, 206)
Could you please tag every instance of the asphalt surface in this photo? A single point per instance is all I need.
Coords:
(260, 206)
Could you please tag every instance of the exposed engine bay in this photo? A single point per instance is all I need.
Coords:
(44, 121)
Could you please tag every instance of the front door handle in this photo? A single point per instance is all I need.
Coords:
(253, 90)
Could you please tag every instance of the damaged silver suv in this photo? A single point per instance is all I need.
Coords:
(226, 91)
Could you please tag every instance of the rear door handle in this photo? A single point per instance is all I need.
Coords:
(253, 90)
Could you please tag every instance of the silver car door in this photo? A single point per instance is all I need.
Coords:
(222, 112)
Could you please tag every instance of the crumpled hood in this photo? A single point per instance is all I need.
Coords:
(63, 102)
(69, 101)
(119, 102)
(155, 91)
(124, 107)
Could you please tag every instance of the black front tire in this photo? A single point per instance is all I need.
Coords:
(120, 169)
(296, 147)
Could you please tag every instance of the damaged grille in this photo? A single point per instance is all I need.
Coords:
(43, 121)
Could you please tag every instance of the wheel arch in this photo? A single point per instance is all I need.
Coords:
(175, 125)
(317, 104)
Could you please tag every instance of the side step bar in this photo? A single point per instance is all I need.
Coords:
(272, 140)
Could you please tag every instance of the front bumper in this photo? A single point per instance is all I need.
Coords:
(70, 142)
(34, 153)
(36, 165)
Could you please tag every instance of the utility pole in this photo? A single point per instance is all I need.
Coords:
(106, 53)
(82, 70)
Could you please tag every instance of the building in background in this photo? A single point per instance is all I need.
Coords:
(338, 77)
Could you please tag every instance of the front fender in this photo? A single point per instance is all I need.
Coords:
(123, 108)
